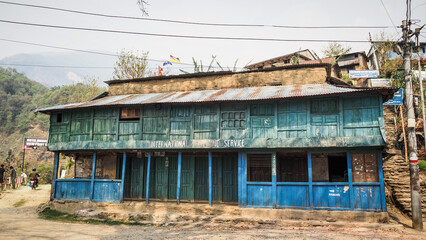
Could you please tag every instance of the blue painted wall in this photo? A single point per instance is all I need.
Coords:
(323, 195)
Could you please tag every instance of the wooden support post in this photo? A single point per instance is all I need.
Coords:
(210, 180)
(55, 176)
(244, 178)
(311, 196)
(179, 175)
(240, 180)
(148, 170)
(274, 179)
(403, 132)
(351, 185)
(382, 181)
(92, 183)
(123, 172)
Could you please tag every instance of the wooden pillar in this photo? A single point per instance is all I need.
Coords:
(55, 176)
(244, 178)
(210, 180)
(274, 179)
(179, 175)
(351, 185)
(240, 180)
(148, 170)
(311, 196)
(92, 183)
(381, 180)
(122, 177)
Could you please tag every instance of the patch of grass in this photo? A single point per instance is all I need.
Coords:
(20, 203)
(54, 215)
(422, 166)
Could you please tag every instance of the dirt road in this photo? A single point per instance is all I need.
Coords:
(21, 222)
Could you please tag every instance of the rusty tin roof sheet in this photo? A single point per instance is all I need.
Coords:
(223, 95)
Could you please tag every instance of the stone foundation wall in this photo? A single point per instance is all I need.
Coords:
(396, 170)
(308, 75)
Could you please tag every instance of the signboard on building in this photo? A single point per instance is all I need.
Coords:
(363, 73)
(380, 82)
(397, 98)
(35, 142)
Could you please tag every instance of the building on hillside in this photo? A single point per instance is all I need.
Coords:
(302, 55)
(375, 62)
(286, 137)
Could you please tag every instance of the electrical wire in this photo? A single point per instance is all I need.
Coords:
(191, 22)
(390, 18)
(51, 66)
(84, 67)
(182, 36)
(78, 50)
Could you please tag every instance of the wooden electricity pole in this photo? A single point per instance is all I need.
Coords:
(416, 201)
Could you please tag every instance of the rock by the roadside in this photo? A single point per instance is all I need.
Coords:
(330, 219)
(42, 208)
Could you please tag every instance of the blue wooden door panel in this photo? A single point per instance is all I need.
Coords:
(136, 178)
(73, 190)
(293, 196)
(217, 178)
(173, 166)
(161, 178)
(201, 191)
(259, 195)
(331, 197)
(106, 191)
(187, 187)
(230, 178)
(367, 198)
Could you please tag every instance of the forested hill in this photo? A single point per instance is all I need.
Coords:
(20, 95)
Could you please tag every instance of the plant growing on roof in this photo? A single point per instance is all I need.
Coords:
(130, 65)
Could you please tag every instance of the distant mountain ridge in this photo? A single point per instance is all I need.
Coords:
(55, 76)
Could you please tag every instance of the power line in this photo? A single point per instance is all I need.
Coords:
(77, 50)
(183, 36)
(191, 22)
(51, 66)
(83, 67)
(390, 18)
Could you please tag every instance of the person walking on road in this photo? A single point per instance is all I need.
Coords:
(2, 176)
(13, 177)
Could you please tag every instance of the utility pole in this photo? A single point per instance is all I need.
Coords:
(416, 201)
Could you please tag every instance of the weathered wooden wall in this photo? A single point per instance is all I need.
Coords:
(338, 121)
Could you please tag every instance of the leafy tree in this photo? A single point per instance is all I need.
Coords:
(335, 49)
(131, 65)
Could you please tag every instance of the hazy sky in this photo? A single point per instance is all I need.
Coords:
(299, 13)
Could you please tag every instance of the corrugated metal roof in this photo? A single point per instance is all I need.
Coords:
(224, 95)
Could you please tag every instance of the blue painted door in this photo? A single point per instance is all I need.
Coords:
(173, 165)
(187, 181)
(134, 180)
(217, 178)
(201, 178)
(230, 178)
(161, 178)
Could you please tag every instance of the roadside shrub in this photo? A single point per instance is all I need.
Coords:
(46, 172)
(422, 166)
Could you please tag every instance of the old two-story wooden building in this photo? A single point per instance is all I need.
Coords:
(289, 137)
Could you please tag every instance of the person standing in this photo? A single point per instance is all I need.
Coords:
(13, 177)
(24, 177)
(2, 176)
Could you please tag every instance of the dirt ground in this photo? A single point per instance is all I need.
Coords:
(22, 222)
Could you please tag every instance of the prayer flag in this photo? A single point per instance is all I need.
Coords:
(174, 59)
